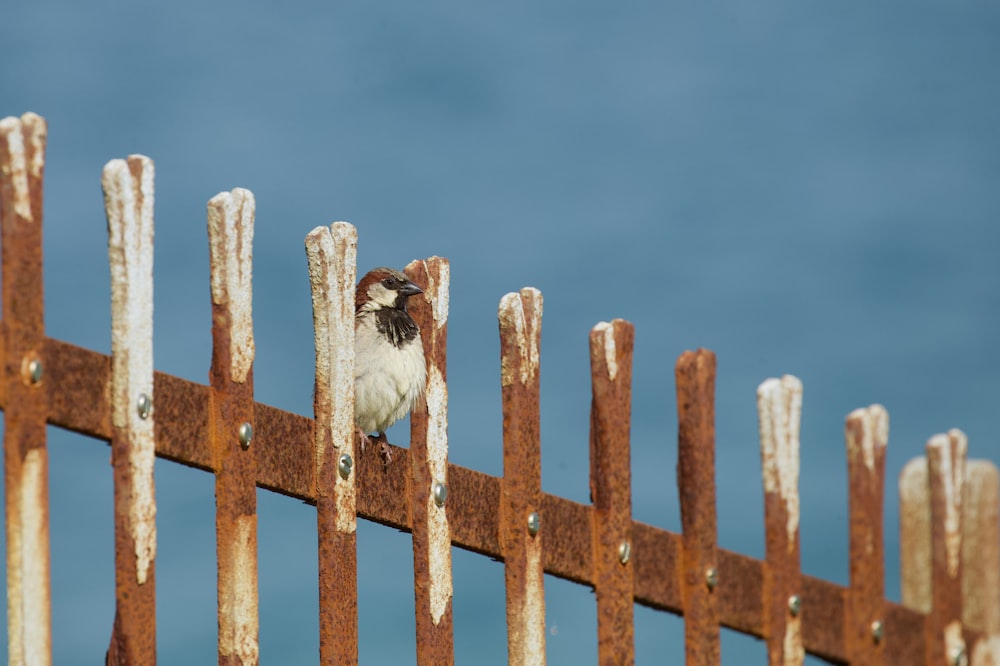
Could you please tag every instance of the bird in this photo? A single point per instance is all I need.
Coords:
(390, 374)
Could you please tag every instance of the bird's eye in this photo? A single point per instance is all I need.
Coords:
(389, 282)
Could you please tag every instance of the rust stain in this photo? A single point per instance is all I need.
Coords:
(611, 346)
(520, 317)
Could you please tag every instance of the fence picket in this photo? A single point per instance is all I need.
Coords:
(230, 231)
(700, 572)
(26, 466)
(522, 524)
(128, 201)
(779, 409)
(867, 434)
(332, 254)
(429, 462)
(946, 455)
(981, 547)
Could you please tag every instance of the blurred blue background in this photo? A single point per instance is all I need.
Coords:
(805, 188)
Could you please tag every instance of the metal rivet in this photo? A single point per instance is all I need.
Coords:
(794, 605)
(878, 631)
(958, 657)
(33, 370)
(246, 435)
(440, 492)
(624, 552)
(144, 404)
(711, 577)
(344, 465)
(534, 523)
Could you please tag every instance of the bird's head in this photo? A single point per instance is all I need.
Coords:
(383, 288)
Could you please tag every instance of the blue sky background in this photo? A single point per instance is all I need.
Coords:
(806, 188)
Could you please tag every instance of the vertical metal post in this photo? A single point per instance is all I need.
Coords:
(332, 254)
(26, 467)
(699, 572)
(946, 455)
(867, 434)
(230, 235)
(521, 522)
(432, 581)
(611, 346)
(779, 410)
(128, 202)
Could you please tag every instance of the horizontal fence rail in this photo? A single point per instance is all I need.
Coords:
(950, 506)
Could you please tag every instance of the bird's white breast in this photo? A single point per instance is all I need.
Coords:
(388, 380)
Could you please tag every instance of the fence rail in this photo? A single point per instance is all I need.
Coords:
(947, 503)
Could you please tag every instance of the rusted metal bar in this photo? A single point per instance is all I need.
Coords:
(77, 380)
(26, 468)
(429, 460)
(946, 469)
(128, 202)
(611, 346)
(332, 254)
(981, 547)
(867, 434)
(230, 234)
(779, 410)
(521, 523)
(699, 567)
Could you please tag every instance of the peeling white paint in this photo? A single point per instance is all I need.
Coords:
(33, 544)
(439, 286)
(11, 130)
(607, 330)
(874, 426)
(238, 615)
(952, 475)
(794, 650)
(129, 207)
(779, 410)
(230, 231)
(987, 652)
(526, 332)
(915, 533)
(954, 643)
(332, 254)
(533, 612)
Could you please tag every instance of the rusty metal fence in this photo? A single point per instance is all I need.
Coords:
(950, 529)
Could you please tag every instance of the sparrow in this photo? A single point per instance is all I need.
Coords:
(389, 370)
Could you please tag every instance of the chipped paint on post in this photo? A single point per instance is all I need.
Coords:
(981, 547)
(611, 347)
(520, 316)
(332, 255)
(432, 532)
(230, 240)
(230, 224)
(29, 616)
(915, 535)
(949, 457)
(128, 195)
(779, 410)
(866, 433)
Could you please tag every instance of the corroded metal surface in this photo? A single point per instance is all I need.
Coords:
(432, 577)
(946, 456)
(230, 233)
(611, 346)
(520, 316)
(981, 547)
(128, 202)
(867, 435)
(29, 614)
(332, 254)
(779, 409)
(695, 375)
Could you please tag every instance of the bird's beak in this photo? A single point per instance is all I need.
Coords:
(410, 289)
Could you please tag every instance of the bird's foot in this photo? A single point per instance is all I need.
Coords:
(362, 437)
(386, 450)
